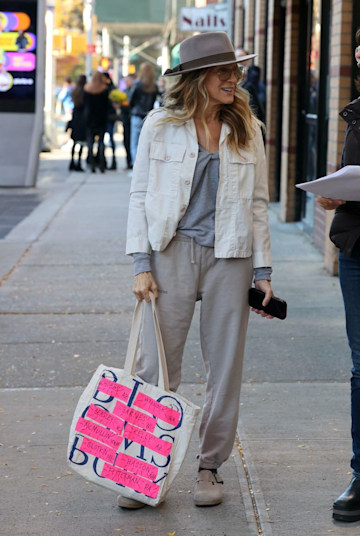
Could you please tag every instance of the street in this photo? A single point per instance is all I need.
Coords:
(66, 307)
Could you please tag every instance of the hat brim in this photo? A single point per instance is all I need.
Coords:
(169, 72)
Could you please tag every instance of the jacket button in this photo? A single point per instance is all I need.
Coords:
(354, 122)
(187, 182)
(192, 155)
(345, 114)
(167, 157)
(183, 208)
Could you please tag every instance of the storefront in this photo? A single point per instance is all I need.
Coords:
(313, 101)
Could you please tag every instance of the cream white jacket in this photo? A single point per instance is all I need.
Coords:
(161, 185)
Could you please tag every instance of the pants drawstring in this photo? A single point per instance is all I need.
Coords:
(192, 258)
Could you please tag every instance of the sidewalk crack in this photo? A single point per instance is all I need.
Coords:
(249, 485)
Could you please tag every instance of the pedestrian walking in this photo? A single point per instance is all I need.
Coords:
(247, 83)
(345, 233)
(96, 103)
(126, 119)
(198, 230)
(253, 78)
(77, 124)
(142, 99)
(64, 103)
(161, 85)
(110, 124)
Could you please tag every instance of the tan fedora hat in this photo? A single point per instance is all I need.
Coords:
(205, 50)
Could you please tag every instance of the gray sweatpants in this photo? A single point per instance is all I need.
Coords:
(186, 272)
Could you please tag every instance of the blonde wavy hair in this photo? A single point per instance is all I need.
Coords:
(188, 94)
(147, 77)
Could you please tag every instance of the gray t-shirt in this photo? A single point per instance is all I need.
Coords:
(198, 221)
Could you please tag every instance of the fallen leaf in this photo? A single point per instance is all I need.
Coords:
(171, 533)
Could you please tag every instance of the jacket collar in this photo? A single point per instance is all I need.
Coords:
(351, 110)
(225, 131)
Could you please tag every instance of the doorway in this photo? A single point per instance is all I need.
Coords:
(313, 123)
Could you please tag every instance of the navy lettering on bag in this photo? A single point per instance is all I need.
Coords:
(178, 407)
(97, 392)
(160, 479)
(134, 391)
(168, 459)
(128, 442)
(95, 462)
(72, 452)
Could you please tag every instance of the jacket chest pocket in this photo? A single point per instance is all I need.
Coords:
(241, 173)
(166, 160)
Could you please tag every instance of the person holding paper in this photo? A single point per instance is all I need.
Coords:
(345, 233)
(198, 230)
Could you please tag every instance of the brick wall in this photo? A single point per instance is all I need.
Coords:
(255, 38)
(341, 59)
(238, 23)
(249, 25)
(290, 111)
(260, 35)
(272, 90)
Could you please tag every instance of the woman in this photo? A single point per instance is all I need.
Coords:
(197, 228)
(142, 99)
(125, 119)
(345, 233)
(77, 123)
(96, 97)
(110, 124)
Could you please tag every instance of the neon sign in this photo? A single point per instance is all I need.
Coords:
(18, 55)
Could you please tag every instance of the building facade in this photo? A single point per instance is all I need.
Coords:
(305, 50)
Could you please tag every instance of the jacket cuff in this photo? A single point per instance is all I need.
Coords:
(136, 245)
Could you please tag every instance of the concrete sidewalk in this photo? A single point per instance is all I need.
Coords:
(66, 306)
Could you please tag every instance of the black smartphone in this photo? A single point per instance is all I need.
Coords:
(276, 306)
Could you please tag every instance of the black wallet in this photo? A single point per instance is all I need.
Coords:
(276, 306)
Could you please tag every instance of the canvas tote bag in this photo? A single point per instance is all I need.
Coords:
(127, 435)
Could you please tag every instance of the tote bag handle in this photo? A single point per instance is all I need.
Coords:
(130, 360)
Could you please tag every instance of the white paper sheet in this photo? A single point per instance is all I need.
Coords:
(343, 184)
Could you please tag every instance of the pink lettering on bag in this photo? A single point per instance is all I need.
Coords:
(99, 451)
(136, 466)
(171, 416)
(147, 440)
(134, 482)
(135, 417)
(114, 389)
(106, 418)
(100, 433)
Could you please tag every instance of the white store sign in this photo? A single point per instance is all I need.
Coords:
(204, 19)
